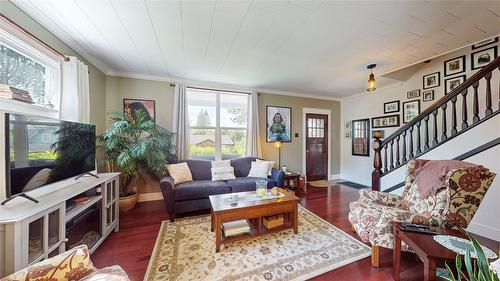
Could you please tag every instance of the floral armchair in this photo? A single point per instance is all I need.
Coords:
(453, 206)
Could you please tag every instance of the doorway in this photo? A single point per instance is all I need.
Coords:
(316, 146)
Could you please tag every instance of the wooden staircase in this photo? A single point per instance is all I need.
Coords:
(439, 123)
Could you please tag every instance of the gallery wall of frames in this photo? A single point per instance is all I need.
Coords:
(392, 106)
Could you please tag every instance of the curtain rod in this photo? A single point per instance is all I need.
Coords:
(218, 90)
(65, 58)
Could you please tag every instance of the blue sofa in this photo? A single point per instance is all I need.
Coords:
(193, 196)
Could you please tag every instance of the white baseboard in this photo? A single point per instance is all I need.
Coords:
(484, 230)
(153, 196)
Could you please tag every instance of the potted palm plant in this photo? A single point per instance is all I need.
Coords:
(135, 146)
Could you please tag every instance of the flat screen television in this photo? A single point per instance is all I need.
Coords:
(40, 151)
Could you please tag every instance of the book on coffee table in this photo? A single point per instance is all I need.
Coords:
(235, 228)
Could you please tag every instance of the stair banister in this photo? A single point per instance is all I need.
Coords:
(433, 110)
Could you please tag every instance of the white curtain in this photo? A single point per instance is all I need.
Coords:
(181, 122)
(253, 139)
(75, 93)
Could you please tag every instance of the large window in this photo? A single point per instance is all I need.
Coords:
(24, 66)
(218, 124)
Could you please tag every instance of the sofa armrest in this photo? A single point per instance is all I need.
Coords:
(278, 176)
(167, 189)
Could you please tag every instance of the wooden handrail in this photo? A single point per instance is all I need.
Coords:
(405, 135)
(443, 100)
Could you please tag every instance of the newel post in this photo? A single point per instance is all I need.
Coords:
(377, 163)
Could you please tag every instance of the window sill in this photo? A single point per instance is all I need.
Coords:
(11, 105)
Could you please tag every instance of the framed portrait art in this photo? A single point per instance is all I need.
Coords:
(278, 123)
(483, 57)
(413, 94)
(451, 83)
(360, 137)
(385, 121)
(431, 80)
(391, 106)
(454, 66)
(410, 110)
(428, 95)
(131, 106)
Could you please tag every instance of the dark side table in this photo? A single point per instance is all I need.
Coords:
(293, 181)
(430, 252)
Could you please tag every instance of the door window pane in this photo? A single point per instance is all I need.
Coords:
(35, 239)
(53, 228)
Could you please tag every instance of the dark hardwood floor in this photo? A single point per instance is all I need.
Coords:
(131, 247)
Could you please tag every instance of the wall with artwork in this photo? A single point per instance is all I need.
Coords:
(391, 106)
(291, 151)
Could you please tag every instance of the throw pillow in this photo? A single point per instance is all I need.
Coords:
(258, 170)
(223, 173)
(221, 163)
(269, 163)
(180, 172)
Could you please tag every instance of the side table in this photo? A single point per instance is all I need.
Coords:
(429, 251)
(293, 181)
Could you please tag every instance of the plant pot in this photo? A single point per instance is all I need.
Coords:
(127, 203)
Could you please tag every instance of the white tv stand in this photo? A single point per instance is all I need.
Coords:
(42, 226)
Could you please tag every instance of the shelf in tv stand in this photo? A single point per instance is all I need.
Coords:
(80, 208)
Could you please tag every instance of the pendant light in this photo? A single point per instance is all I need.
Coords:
(371, 86)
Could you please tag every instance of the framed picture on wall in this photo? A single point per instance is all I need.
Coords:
(131, 106)
(391, 106)
(454, 66)
(278, 123)
(347, 125)
(483, 57)
(451, 83)
(484, 43)
(431, 80)
(385, 121)
(410, 110)
(413, 94)
(428, 95)
(360, 137)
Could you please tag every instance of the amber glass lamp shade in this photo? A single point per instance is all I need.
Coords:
(277, 144)
(371, 86)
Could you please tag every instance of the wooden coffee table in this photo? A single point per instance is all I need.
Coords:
(253, 212)
(430, 252)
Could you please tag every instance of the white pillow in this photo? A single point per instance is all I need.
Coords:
(221, 163)
(223, 173)
(269, 163)
(180, 172)
(258, 170)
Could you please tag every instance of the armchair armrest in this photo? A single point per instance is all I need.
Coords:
(167, 189)
(380, 198)
(278, 176)
(392, 214)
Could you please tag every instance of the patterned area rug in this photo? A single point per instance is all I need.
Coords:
(185, 250)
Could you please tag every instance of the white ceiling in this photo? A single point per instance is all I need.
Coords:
(314, 47)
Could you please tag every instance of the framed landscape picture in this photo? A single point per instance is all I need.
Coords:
(131, 106)
(391, 106)
(360, 137)
(483, 57)
(385, 121)
(454, 66)
(410, 110)
(431, 80)
(278, 123)
(428, 95)
(413, 94)
(451, 83)
(484, 43)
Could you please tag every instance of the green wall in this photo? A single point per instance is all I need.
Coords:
(291, 153)
(97, 77)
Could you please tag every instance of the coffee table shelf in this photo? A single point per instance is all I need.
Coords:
(253, 212)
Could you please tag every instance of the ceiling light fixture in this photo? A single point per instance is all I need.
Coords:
(371, 79)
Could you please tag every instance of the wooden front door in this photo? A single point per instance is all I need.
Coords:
(316, 147)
